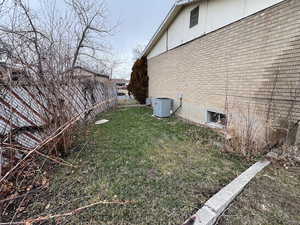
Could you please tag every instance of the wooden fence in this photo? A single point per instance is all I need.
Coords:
(27, 109)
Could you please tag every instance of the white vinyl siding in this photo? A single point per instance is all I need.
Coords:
(160, 47)
(194, 17)
(222, 13)
(213, 14)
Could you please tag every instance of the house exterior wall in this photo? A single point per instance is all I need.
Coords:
(101, 79)
(4, 74)
(180, 32)
(86, 74)
(254, 62)
(213, 14)
(160, 47)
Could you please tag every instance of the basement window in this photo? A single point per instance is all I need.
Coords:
(215, 119)
(194, 17)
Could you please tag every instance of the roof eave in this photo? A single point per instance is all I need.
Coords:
(169, 18)
(166, 23)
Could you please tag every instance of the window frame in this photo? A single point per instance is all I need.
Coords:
(194, 16)
(220, 123)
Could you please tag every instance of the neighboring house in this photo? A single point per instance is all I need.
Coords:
(11, 73)
(17, 73)
(226, 57)
(81, 72)
(121, 85)
(10, 69)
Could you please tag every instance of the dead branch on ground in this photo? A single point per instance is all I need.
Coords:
(71, 213)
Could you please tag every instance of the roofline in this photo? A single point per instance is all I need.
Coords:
(176, 8)
(119, 79)
(92, 72)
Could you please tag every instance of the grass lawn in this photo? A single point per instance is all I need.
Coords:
(167, 167)
(272, 198)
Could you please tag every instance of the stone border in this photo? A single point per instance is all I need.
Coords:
(216, 205)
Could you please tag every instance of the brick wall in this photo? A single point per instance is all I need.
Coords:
(256, 61)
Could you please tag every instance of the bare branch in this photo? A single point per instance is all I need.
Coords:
(35, 40)
(71, 213)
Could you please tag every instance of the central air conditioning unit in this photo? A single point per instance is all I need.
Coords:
(162, 107)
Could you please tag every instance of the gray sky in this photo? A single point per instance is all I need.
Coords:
(139, 20)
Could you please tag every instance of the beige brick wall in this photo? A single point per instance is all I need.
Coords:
(253, 60)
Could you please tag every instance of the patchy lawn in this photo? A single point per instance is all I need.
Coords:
(273, 198)
(167, 167)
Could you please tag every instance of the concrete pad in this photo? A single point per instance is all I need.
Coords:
(99, 122)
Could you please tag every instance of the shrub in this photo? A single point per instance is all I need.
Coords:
(138, 85)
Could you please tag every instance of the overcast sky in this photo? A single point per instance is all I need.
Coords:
(139, 20)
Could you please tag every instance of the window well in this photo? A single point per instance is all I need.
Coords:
(216, 119)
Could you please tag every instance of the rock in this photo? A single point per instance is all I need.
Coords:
(99, 122)
(297, 159)
(273, 155)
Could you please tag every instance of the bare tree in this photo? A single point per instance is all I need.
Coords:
(46, 45)
(138, 52)
(73, 37)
